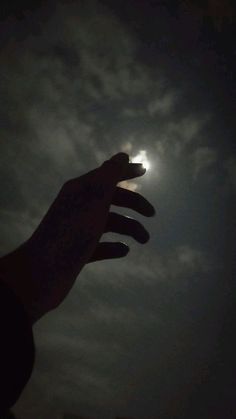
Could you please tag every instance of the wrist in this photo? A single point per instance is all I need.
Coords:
(14, 272)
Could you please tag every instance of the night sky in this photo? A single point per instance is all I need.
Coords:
(149, 336)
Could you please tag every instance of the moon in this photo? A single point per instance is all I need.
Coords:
(141, 157)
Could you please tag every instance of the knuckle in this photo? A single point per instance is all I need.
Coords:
(113, 214)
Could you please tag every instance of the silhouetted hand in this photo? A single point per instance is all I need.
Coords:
(43, 270)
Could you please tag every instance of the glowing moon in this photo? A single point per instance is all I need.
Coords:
(142, 158)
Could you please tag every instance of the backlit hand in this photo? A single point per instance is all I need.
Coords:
(45, 267)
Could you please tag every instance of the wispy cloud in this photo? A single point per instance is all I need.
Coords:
(230, 167)
(176, 136)
(162, 105)
(203, 158)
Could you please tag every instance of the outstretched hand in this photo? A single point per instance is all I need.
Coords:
(43, 270)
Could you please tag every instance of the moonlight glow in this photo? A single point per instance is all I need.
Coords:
(142, 158)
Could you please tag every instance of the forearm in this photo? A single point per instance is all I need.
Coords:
(17, 350)
(15, 273)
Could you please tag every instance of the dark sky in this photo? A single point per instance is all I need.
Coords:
(150, 336)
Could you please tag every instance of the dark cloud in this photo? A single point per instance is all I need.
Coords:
(203, 158)
(79, 82)
(230, 166)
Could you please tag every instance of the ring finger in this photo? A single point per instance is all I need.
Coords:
(117, 223)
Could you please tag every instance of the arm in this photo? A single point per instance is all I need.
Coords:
(17, 347)
(39, 274)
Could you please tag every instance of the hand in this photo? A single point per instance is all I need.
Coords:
(43, 270)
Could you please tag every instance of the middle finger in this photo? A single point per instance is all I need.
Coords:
(117, 223)
(133, 200)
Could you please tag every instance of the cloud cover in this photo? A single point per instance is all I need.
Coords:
(134, 335)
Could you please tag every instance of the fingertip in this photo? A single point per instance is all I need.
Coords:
(143, 169)
(123, 249)
(133, 170)
(151, 211)
(144, 237)
(140, 169)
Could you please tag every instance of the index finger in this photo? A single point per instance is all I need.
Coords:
(120, 168)
(133, 200)
(133, 170)
(114, 168)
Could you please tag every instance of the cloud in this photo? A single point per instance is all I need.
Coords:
(203, 158)
(230, 167)
(190, 260)
(131, 186)
(176, 137)
(133, 112)
(162, 105)
(214, 10)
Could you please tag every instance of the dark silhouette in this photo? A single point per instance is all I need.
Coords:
(38, 275)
